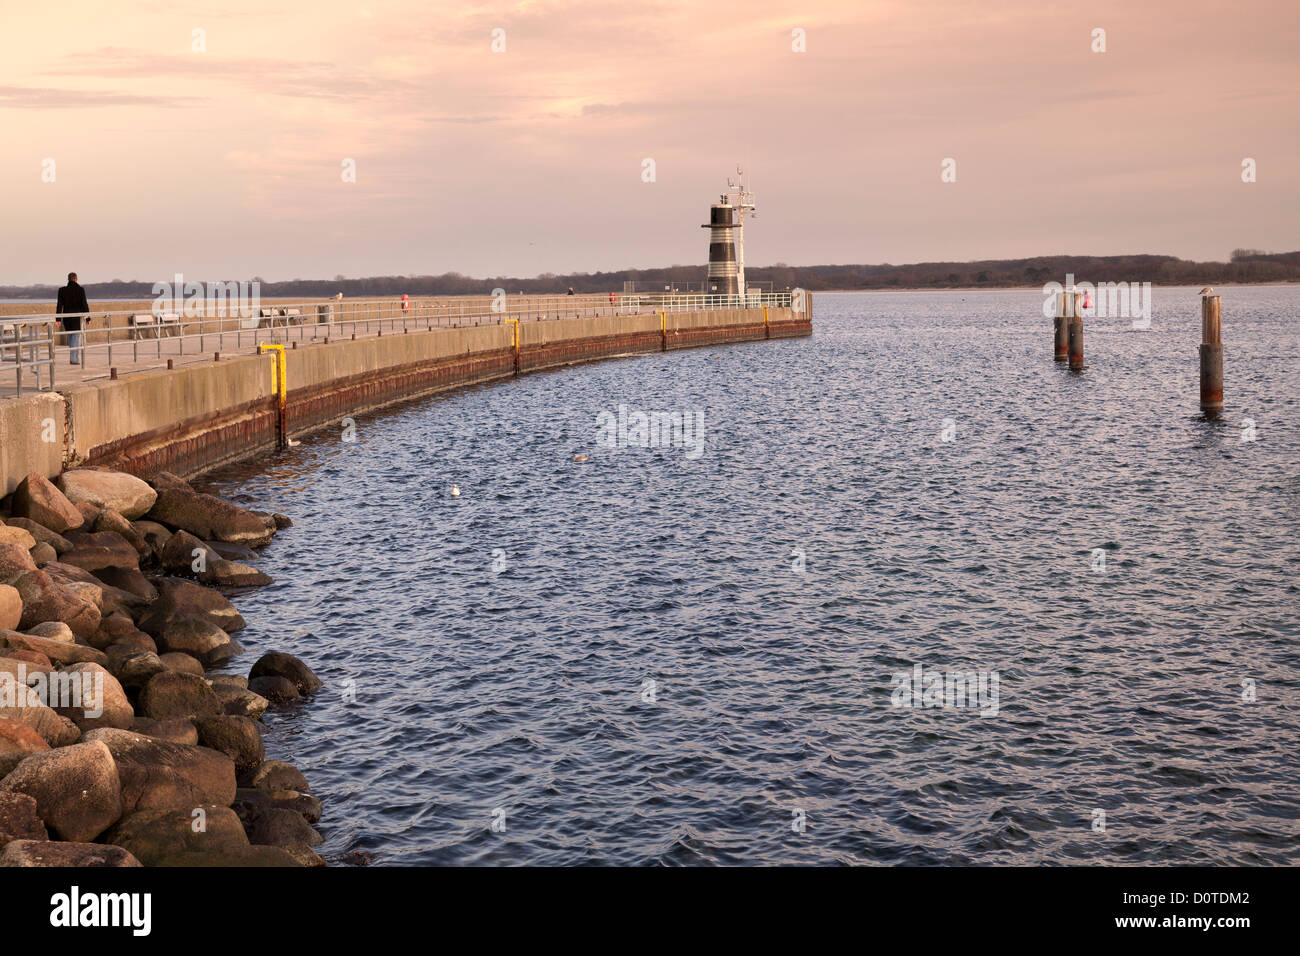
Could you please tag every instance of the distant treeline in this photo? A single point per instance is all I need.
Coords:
(1246, 265)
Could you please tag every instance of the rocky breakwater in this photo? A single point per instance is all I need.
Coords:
(117, 747)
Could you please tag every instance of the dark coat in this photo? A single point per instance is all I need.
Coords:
(72, 306)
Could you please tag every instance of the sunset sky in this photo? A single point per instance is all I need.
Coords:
(226, 163)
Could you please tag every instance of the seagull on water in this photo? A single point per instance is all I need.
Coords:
(455, 491)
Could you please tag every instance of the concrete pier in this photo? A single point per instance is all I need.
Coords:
(208, 413)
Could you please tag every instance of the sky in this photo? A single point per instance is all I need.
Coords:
(143, 139)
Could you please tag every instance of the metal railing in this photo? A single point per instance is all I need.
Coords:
(132, 337)
(29, 344)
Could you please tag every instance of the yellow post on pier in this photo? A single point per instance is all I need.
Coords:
(515, 343)
(279, 385)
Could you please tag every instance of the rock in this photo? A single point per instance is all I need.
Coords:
(20, 672)
(166, 479)
(44, 600)
(153, 835)
(209, 517)
(231, 574)
(155, 535)
(50, 853)
(231, 552)
(57, 651)
(180, 663)
(17, 741)
(42, 534)
(196, 636)
(277, 775)
(184, 554)
(240, 701)
(101, 703)
(278, 827)
(31, 657)
(178, 598)
(115, 627)
(178, 730)
(138, 640)
(110, 520)
(238, 680)
(43, 554)
(129, 580)
(170, 694)
(125, 494)
(95, 550)
(249, 856)
(157, 775)
(54, 630)
(15, 560)
(281, 521)
(11, 608)
(89, 514)
(12, 535)
(76, 788)
(250, 801)
(36, 499)
(54, 730)
(279, 664)
(133, 668)
(277, 690)
(236, 737)
(19, 819)
(304, 854)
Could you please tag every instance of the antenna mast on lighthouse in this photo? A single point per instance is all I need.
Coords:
(743, 200)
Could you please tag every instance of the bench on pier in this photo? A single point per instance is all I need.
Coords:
(142, 326)
(169, 323)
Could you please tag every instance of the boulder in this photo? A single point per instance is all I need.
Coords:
(157, 775)
(279, 664)
(50, 853)
(36, 499)
(21, 672)
(42, 534)
(125, 494)
(196, 636)
(184, 554)
(110, 520)
(54, 730)
(276, 775)
(11, 608)
(178, 598)
(153, 835)
(102, 701)
(209, 517)
(138, 640)
(54, 630)
(129, 580)
(133, 668)
(238, 680)
(166, 479)
(95, 550)
(116, 627)
(177, 730)
(17, 742)
(250, 801)
(59, 652)
(240, 701)
(246, 856)
(76, 788)
(89, 514)
(181, 663)
(304, 854)
(11, 535)
(278, 827)
(237, 737)
(43, 554)
(277, 690)
(19, 819)
(15, 560)
(155, 535)
(232, 552)
(170, 694)
(45, 600)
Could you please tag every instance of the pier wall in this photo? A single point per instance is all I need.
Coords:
(199, 416)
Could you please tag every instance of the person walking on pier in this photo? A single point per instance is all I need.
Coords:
(71, 308)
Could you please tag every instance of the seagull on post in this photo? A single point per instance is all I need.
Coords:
(1208, 290)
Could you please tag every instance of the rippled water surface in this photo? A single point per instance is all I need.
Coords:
(526, 690)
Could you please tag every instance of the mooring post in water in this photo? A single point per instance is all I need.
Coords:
(1064, 307)
(278, 385)
(1076, 332)
(1211, 355)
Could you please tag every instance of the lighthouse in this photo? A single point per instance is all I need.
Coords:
(726, 275)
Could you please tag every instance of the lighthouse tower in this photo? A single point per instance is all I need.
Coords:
(726, 275)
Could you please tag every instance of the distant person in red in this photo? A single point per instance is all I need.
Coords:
(71, 308)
